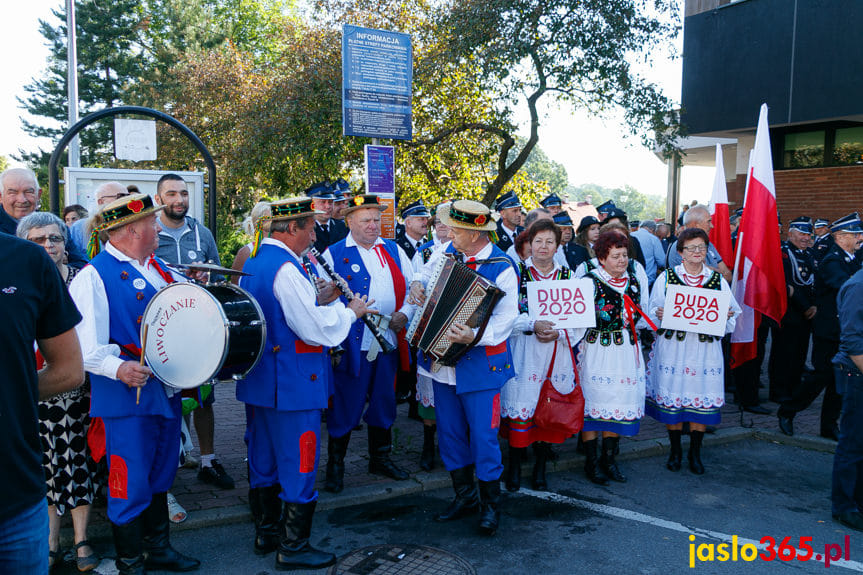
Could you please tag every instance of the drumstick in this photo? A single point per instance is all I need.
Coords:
(143, 347)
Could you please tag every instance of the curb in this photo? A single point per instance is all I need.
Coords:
(431, 481)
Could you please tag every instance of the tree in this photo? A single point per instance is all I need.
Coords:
(581, 53)
(108, 61)
(638, 206)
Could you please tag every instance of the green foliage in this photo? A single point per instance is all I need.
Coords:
(638, 206)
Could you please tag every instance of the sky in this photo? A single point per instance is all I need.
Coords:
(592, 150)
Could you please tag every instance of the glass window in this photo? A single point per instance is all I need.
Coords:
(848, 149)
(804, 150)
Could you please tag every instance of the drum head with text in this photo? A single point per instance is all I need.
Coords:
(187, 335)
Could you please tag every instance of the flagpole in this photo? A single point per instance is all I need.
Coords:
(72, 82)
(740, 226)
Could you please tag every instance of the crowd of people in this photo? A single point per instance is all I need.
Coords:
(337, 299)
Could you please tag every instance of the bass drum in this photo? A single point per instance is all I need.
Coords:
(198, 334)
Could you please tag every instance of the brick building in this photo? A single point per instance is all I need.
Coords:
(804, 58)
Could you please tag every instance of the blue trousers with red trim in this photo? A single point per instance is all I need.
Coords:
(467, 426)
(376, 382)
(284, 449)
(143, 453)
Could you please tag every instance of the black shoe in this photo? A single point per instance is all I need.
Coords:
(786, 425)
(695, 465)
(852, 519)
(830, 432)
(540, 452)
(129, 544)
(216, 475)
(428, 454)
(159, 553)
(610, 448)
(591, 463)
(710, 429)
(267, 512)
(489, 496)
(757, 409)
(295, 551)
(466, 500)
(513, 468)
(380, 447)
(675, 456)
(337, 447)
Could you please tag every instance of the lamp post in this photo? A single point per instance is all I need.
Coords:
(72, 82)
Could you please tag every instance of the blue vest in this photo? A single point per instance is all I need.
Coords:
(291, 375)
(482, 367)
(126, 305)
(344, 258)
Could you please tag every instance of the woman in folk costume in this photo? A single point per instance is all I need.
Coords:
(685, 374)
(610, 366)
(537, 349)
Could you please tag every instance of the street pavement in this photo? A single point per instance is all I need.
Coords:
(754, 488)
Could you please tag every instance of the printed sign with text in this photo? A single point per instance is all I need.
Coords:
(567, 303)
(697, 310)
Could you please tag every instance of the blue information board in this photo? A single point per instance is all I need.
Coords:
(377, 73)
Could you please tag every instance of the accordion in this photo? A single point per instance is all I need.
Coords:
(455, 294)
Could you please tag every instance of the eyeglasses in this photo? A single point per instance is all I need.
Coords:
(695, 249)
(114, 197)
(42, 240)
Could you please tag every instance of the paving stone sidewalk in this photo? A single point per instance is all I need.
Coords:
(207, 505)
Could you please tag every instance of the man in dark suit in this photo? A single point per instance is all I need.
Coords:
(416, 225)
(823, 239)
(791, 340)
(327, 230)
(508, 207)
(838, 265)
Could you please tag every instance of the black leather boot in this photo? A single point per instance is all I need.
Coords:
(428, 455)
(129, 544)
(380, 447)
(160, 554)
(295, 551)
(540, 452)
(513, 468)
(337, 447)
(695, 465)
(466, 500)
(268, 520)
(489, 496)
(609, 465)
(591, 462)
(676, 454)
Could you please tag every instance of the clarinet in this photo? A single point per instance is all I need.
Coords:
(340, 282)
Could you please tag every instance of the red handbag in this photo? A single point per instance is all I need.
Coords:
(557, 411)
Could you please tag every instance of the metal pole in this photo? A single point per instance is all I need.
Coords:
(72, 82)
(672, 203)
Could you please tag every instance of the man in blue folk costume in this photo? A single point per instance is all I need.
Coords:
(141, 416)
(286, 392)
(467, 396)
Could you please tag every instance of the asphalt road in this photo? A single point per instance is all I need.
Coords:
(752, 489)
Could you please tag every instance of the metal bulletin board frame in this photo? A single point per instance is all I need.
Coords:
(81, 183)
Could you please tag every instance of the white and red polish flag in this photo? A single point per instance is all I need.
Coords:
(759, 281)
(720, 234)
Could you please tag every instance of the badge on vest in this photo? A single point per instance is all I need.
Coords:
(355, 268)
(139, 283)
(193, 255)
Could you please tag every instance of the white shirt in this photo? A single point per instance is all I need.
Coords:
(381, 287)
(316, 325)
(502, 318)
(88, 292)
(417, 261)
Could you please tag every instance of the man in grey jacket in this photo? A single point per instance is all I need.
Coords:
(182, 240)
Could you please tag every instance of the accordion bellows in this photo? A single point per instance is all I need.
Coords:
(455, 294)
